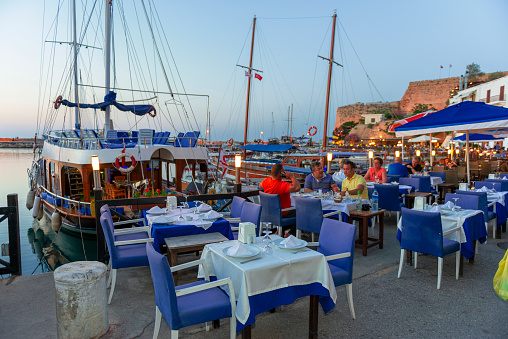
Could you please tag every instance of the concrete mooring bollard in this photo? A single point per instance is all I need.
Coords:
(81, 300)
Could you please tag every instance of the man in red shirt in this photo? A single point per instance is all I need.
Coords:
(275, 185)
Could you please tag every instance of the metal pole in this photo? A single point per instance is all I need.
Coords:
(431, 156)
(248, 87)
(75, 65)
(101, 240)
(107, 58)
(330, 68)
(467, 159)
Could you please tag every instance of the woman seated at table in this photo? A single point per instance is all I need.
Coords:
(376, 173)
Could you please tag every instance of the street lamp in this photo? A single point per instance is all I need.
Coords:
(329, 158)
(371, 156)
(261, 136)
(238, 164)
(397, 154)
(96, 174)
(418, 152)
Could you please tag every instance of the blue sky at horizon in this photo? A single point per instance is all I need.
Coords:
(397, 42)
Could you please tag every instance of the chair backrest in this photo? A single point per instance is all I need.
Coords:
(461, 170)
(452, 177)
(485, 169)
(178, 140)
(134, 136)
(236, 207)
(105, 211)
(410, 182)
(498, 186)
(466, 201)
(145, 136)
(482, 201)
(438, 168)
(503, 182)
(107, 228)
(164, 287)
(251, 213)
(388, 198)
(338, 237)
(163, 139)
(442, 175)
(422, 232)
(309, 214)
(392, 178)
(473, 165)
(424, 183)
(503, 175)
(111, 136)
(270, 208)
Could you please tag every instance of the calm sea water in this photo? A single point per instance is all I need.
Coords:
(42, 249)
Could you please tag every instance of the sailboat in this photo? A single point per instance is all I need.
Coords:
(144, 159)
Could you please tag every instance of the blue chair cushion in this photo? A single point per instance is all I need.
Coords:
(340, 276)
(450, 246)
(130, 256)
(491, 216)
(202, 306)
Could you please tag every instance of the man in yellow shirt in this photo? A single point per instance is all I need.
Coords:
(353, 182)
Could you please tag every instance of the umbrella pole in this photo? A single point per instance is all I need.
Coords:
(467, 159)
(451, 147)
(402, 151)
(431, 157)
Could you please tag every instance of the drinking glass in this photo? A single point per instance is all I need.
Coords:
(267, 240)
(181, 218)
(267, 250)
(455, 208)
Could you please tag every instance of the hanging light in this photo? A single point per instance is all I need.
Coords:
(418, 152)
(433, 152)
(397, 154)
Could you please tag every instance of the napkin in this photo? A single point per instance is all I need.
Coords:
(204, 208)
(483, 189)
(291, 242)
(212, 215)
(155, 210)
(394, 183)
(163, 220)
(436, 209)
(449, 205)
(238, 249)
(504, 178)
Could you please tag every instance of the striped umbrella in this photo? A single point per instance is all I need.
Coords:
(406, 120)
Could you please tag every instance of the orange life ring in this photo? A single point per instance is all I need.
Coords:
(58, 102)
(230, 142)
(120, 168)
(312, 128)
(153, 112)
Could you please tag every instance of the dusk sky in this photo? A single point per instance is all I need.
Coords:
(396, 41)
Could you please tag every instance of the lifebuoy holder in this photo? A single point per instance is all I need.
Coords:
(121, 168)
(230, 142)
(314, 129)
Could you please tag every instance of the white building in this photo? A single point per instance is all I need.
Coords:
(492, 92)
(373, 118)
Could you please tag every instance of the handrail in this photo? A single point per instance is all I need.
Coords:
(64, 198)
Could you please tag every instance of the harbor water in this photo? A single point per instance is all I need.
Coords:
(42, 249)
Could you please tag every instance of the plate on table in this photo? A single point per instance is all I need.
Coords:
(254, 251)
(155, 212)
(302, 244)
(203, 217)
(165, 220)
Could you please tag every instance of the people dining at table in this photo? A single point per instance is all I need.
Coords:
(353, 182)
(319, 180)
(376, 173)
(339, 176)
(449, 164)
(415, 166)
(275, 185)
(397, 168)
(503, 167)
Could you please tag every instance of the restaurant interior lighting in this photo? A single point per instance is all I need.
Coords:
(371, 154)
(418, 152)
(397, 154)
(238, 160)
(433, 152)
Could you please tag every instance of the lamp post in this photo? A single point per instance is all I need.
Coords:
(329, 158)
(397, 154)
(238, 164)
(101, 241)
(261, 136)
(418, 153)
(371, 156)
(432, 155)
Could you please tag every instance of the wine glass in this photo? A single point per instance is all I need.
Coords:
(181, 218)
(267, 250)
(455, 207)
(267, 240)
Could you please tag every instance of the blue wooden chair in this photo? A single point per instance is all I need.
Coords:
(424, 185)
(189, 304)
(250, 213)
(337, 244)
(389, 198)
(503, 182)
(392, 178)
(422, 232)
(484, 206)
(442, 175)
(271, 211)
(498, 186)
(126, 248)
(309, 216)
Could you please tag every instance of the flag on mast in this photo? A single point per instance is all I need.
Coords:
(247, 74)
(441, 66)
(259, 77)
(222, 162)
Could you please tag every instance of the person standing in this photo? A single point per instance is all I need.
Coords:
(397, 168)
(376, 173)
(319, 180)
(353, 182)
(275, 185)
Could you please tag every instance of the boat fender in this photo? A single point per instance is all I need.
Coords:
(313, 129)
(30, 197)
(120, 168)
(56, 221)
(58, 102)
(230, 142)
(36, 206)
(40, 215)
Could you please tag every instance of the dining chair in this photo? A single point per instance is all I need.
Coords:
(424, 185)
(189, 304)
(465, 201)
(452, 177)
(392, 178)
(123, 252)
(250, 213)
(410, 182)
(441, 174)
(503, 182)
(337, 244)
(484, 206)
(461, 173)
(309, 216)
(271, 211)
(422, 232)
(389, 198)
(438, 168)
(498, 186)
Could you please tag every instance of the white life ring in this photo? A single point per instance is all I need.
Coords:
(128, 169)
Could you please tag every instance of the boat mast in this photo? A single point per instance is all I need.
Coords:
(248, 87)
(330, 67)
(107, 58)
(75, 65)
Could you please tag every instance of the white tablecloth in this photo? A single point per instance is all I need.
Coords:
(435, 181)
(401, 187)
(497, 197)
(283, 269)
(331, 205)
(451, 220)
(196, 220)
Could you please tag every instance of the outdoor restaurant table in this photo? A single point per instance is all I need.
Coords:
(271, 281)
(403, 189)
(472, 228)
(180, 228)
(410, 198)
(330, 205)
(497, 201)
(363, 238)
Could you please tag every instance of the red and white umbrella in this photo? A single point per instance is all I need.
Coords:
(406, 120)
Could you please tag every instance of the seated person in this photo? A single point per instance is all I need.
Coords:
(414, 166)
(397, 168)
(275, 185)
(503, 167)
(339, 176)
(449, 164)
(353, 182)
(376, 173)
(319, 180)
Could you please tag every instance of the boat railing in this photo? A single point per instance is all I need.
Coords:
(56, 196)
